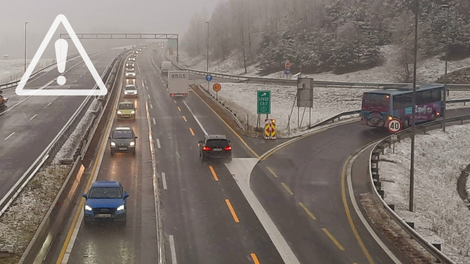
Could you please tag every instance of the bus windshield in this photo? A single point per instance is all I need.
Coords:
(376, 102)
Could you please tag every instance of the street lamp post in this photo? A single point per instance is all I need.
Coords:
(445, 73)
(207, 53)
(413, 113)
(26, 22)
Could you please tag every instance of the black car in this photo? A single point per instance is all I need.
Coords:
(122, 139)
(215, 147)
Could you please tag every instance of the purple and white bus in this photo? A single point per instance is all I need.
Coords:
(379, 106)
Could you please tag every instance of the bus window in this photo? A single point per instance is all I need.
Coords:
(402, 101)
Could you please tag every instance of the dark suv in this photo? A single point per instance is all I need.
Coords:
(215, 147)
(122, 140)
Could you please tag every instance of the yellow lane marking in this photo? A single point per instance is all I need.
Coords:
(82, 201)
(192, 132)
(213, 173)
(179, 109)
(254, 258)
(287, 188)
(185, 120)
(272, 172)
(307, 211)
(273, 150)
(236, 134)
(333, 238)
(348, 213)
(235, 217)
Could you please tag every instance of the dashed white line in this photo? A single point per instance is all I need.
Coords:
(173, 251)
(48, 104)
(164, 181)
(33, 117)
(9, 136)
(153, 119)
(151, 106)
(158, 143)
(146, 87)
(148, 95)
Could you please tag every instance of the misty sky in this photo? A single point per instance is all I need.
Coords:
(156, 16)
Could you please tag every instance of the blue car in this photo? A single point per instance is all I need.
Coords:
(106, 200)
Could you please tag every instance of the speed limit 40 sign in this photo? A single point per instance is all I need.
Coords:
(394, 125)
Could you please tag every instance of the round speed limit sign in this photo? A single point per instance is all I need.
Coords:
(394, 125)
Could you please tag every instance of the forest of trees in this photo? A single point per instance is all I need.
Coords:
(328, 35)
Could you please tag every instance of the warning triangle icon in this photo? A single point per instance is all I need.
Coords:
(101, 90)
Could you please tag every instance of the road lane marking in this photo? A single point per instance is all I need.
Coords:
(48, 104)
(229, 127)
(174, 101)
(272, 172)
(153, 120)
(195, 118)
(9, 136)
(213, 173)
(172, 249)
(13, 106)
(254, 258)
(146, 87)
(33, 117)
(164, 180)
(192, 132)
(287, 188)
(333, 239)
(235, 217)
(185, 120)
(307, 211)
(347, 171)
(151, 106)
(158, 143)
(179, 109)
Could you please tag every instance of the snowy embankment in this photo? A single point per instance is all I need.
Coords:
(241, 98)
(439, 213)
(12, 70)
(68, 149)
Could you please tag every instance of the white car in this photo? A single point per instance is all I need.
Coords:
(130, 91)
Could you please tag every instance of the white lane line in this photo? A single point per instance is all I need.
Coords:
(158, 143)
(164, 180)
(197, 120)
(33, 117)
(358, 211)
(49, 104)
(153, 119)
(13, 106)
(151, 106)
(173, 251)
(148, 95)
(9, 136)
(75, 81)
(146, 87)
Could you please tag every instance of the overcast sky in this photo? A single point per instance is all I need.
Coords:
(157, 16)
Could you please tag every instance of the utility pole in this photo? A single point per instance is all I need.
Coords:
(445, 73)
(26, 22)
(207, 54)
(413, 113)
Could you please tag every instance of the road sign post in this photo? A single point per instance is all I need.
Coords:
(217, 87)
(394, 140)
(264, 102)
(208, 79)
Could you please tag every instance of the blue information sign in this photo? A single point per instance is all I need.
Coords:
(287, 71)
(208, 77)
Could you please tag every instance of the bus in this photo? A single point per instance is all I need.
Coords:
(380, 106)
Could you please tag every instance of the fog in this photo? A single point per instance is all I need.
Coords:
(86, 16)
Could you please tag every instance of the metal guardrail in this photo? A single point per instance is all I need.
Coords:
(293, 82)
(374, 179)
(34, 74)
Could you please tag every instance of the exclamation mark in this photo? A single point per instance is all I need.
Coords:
(61, 46)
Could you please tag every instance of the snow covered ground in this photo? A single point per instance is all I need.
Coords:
(12, 70)
(439, 210)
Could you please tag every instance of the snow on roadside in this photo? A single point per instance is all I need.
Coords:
(11, 70)
(439, 211)
(68, 149)
(19, 223)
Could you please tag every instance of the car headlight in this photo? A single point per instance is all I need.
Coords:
(135, 92)
(133, 112)
(132, 144)
(113, 144)
(88, 208)
(119, 112)
(120, 208)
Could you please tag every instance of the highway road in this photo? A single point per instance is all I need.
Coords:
(28, 124)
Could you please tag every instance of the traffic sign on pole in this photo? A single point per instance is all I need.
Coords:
(264, 102)
(287, 71)
(208, 77)
(216, 87)
(394, 125)
(287, 64)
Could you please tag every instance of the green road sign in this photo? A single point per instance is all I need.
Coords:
(264, 102)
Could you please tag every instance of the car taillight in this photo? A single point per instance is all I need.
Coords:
(172, 94)
(206, 148)
(437, 113)
(228, 148)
